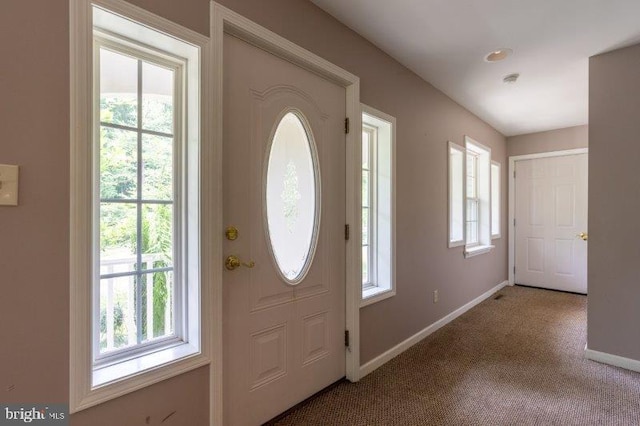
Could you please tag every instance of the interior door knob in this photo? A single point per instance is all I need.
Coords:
(584, 236)
(234, 262)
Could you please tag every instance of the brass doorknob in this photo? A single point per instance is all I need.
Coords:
(583, 235)
(234, 262)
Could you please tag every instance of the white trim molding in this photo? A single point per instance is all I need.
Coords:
(610, 359)
(512, 198)
(477, 250)
(461, 183)
(224, 20)
(416, 338)
(496, 209)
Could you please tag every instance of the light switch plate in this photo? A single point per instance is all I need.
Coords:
(8, 185)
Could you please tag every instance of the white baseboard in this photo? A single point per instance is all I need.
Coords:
(403, 346)
(615, 360)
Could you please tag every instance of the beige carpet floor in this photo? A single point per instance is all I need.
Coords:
(515, 360)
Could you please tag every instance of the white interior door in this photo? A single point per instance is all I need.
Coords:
(551, 215)
(284, 191)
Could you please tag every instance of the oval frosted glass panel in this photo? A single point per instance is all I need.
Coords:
(291, 198)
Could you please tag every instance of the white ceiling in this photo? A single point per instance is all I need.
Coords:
(445, 41)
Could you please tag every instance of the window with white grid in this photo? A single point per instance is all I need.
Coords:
(144, 204)
(473, 197)
(139, 174)
(473, 201)
(369, 135)
(378, 251)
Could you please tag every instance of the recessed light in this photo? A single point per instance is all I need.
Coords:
(498, 55)
(511, 78)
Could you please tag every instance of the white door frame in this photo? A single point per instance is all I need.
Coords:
(512, 198)
(223, 21)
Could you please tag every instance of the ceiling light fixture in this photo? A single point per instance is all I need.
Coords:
(511, 78)
(498, 55)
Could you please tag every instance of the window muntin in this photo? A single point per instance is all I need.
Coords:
(139, 206)
(292, 197)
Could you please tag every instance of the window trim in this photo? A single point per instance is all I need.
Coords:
(373, 195)
(83, 393)
(463, 151)
(376, 293)
(496, 202)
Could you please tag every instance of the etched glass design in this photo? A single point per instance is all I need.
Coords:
(291, 197)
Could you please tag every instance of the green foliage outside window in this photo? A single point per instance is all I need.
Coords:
(118, 220)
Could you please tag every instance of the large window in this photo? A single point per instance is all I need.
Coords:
(136, 272)
(139, 204)
(378, 261)
(474, 195)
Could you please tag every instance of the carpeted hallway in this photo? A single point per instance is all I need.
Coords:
(515, 360)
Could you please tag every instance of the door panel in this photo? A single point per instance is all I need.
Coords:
(535, 255)
(282, 342)
(551, 210)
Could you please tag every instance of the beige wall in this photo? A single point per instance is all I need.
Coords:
(614, 202)
(34, 240)
(34, 237)
(552, 140)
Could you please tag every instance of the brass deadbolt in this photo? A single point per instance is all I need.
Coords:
(231, 233)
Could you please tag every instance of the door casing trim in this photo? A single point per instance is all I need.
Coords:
(512, 197)
(224, 20)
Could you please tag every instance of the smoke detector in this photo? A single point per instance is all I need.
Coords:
(511, 78)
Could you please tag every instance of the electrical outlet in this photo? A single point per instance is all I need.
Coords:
(435, 296)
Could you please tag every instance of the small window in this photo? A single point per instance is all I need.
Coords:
(495, 200)
(377, 209)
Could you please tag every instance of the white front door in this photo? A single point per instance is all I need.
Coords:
(284, 192)
(551, 222)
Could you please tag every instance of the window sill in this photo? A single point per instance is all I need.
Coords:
(477, 250)
(142, 363)
(375, 294)
(122, 378)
